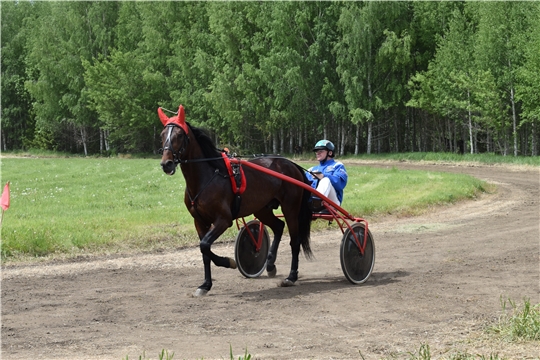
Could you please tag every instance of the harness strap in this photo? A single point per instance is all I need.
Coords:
(238, 178)
(193, 199)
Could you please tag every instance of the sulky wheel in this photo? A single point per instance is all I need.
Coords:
(357, 267)
(251, 263)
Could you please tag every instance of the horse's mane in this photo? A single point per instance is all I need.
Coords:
(207, 146)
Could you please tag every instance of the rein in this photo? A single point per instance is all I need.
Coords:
(254, 156)
(198, 160)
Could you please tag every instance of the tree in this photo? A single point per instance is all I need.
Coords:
(453, 86)
(126, 87)
(268, 76)
(500, 40)
(528, 77)
(64, 35)
(454, 66)
(17, 122)
(374, 47)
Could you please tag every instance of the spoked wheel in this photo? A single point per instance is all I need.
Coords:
(357, 267)
(251, 262)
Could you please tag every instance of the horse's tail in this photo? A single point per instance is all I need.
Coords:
(304, 222)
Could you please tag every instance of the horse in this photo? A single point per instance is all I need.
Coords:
(212, 202)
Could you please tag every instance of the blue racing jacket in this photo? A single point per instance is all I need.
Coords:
(335, 171)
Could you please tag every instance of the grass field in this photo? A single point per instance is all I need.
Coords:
(488, 159)
(73, 206)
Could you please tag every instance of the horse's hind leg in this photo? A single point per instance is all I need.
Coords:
(295, 251)
(294, 231)
(268, 218)
(277, 229)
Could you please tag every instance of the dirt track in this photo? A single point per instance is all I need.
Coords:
(438, 279)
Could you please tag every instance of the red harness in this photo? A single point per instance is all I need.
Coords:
(237, 188)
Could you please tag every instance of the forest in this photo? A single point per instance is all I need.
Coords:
(87, 77)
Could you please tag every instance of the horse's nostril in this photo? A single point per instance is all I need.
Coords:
(168, 167)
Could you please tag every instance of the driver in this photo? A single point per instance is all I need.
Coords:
(329, 177)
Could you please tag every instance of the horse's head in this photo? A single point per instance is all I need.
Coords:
(174, 139)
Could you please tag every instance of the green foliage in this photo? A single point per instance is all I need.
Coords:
(17, 120)
(519, 322)
(116, 88)
(87, 77)
(163, 355)
(373, 58)
(424, 353)
(245, 357)
(529, 74)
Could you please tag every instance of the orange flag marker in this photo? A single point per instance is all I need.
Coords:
(4, 202)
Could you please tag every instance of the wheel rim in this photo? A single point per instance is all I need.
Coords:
(357, 267)
(251, 263)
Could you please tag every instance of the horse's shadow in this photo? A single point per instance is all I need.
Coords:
(311, 285)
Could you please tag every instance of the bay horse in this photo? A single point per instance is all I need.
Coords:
(211, 201)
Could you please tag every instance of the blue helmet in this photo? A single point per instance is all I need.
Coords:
(325, 145)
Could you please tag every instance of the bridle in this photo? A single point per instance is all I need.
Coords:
(167, 146)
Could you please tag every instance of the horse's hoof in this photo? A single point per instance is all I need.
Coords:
(272, 273)
(232, 263)
(200, 292)
(287, 283)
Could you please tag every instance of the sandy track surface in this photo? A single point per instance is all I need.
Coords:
(438, 279)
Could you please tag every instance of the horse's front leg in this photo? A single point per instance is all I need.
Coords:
(207, 284)
(208, 256)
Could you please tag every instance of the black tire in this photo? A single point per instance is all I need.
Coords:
(251, 263)
(357, 267)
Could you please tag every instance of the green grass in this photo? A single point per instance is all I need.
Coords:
(424, 353)
(518, 322)
(74, 206)
(164, 355)
(488, 159)
(41, 153)
(405, 192)
(485, 158)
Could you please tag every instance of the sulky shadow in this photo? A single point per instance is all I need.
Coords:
(312, 285)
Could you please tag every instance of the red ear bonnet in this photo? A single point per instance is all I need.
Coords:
(179, 119)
